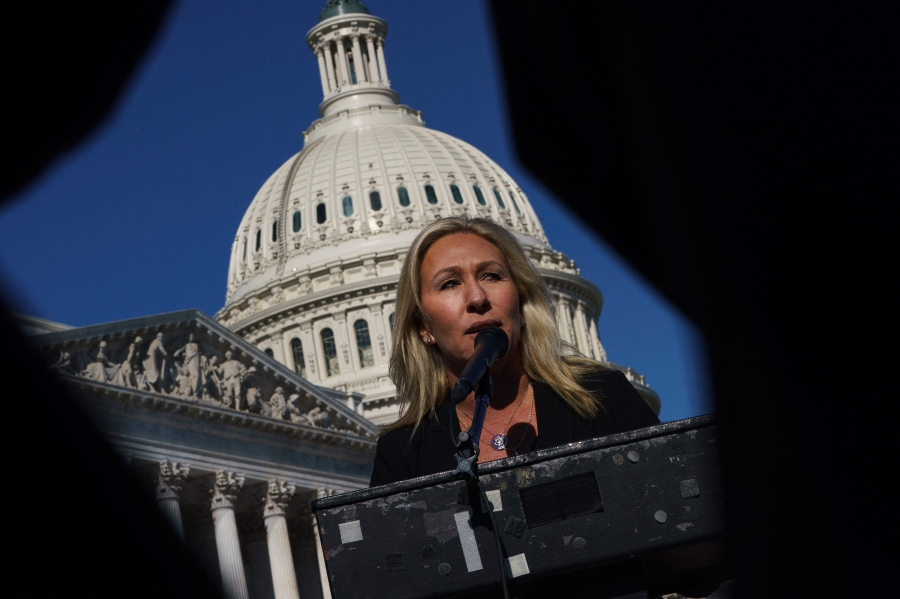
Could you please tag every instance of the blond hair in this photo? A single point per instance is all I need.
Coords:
(417, 369)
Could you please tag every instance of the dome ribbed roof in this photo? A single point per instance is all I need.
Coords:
(373, 187)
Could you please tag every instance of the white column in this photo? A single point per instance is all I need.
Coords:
(278, 347)
(323, 75)
(320, 554)
(373, 66)
(342, 62)
(231, 566)
(359, 61)
(284, 578)
(329, 65)
(169, 478)
(381, 64)
(581, 332)
(599, 352)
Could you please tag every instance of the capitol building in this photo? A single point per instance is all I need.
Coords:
(239, 419)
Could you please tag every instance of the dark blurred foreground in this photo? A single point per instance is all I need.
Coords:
(737, 157)
(743, 158)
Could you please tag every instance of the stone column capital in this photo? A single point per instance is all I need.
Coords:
(225, 489)
(169, 478)
(278, 494)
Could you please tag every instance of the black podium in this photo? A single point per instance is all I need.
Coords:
(636, 514)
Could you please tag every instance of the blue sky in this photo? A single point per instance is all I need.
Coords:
(140, 219)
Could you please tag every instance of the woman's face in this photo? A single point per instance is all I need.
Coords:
(466, 286)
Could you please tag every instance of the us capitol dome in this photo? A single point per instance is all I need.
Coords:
(316, 259)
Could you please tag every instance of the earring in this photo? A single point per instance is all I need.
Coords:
(428, 340)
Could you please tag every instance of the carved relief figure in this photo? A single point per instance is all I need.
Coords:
(64, 364)
(190, 367)
(293, 410)
(255, 403)
(212, 385)
(154, 364)
(277, 403)
(319, 417)
(127, 375)
(233, 374)
(101, 369)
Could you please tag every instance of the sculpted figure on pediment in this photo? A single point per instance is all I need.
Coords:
(64, 364)
(129, 370)
(293, 410)
(212, 381)
(277, 404)
(319, 417)
(255, 403)
(101, 369)
(233, 375)
(190, 368)
(154, 364)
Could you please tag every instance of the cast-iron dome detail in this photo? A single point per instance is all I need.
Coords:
(334, 8)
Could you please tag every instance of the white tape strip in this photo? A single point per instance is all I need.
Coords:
(494, 498)
(517, 565)
(467, 538)
(350, 532)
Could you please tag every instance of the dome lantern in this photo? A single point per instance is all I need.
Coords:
(349, 46)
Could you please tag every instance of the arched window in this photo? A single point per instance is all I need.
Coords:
(391, 323)
(364, 343)
(297, 221)
(479, 196)
(268, 351)
(375, 200)
(347, 204)
(403, 196)
(297, 354)
(429, 193)
(245, 249)
(515, 204)
(258, 239)
(329, 348)
(457, 196)
(275, 231)
(320, 213)
(499, 199)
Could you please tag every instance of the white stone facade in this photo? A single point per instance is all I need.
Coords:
(321, 246)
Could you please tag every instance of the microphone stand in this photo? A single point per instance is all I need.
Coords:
(467, 460)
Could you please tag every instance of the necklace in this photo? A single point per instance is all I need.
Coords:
(524, 434)
(499, 441)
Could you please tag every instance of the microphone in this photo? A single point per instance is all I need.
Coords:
(490, 345)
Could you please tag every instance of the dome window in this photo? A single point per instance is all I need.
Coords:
(375, 200)
(275, 231)
(297, 221)
(320, 214)
(347, 204)
(245, 249)
(364, 343)
(403, 196)
(499, 199)
(479, 196)
(258, 239)
(268, 351)
(297, 354)
(515, 204)
(391, 323)
(429, 193)
(329, 349)
(457, 196)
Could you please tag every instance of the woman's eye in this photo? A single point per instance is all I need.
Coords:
(492, 276)
(448, 284)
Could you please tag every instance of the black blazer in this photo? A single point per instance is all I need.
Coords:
(430, 449)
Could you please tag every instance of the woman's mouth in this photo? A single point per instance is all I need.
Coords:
(481, 325)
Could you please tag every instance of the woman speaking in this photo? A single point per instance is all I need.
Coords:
(461, 276)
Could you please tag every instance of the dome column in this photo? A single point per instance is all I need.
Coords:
(323, 75)
(599, 352)
(329, 65)
(381, 64)
(373, 66)
(342, 62)
(359, 63)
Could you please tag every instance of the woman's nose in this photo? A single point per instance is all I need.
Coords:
(477, 299)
